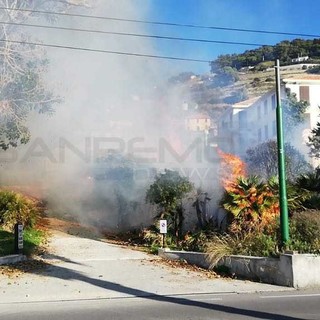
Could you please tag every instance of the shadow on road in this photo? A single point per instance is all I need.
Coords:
(51, 256)
(68, 274)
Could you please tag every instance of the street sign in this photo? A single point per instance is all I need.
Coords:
(18, 237)
(163, 226)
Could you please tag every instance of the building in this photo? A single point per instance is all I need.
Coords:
(300, 59)
(198, 122)
(251, 122)
(232, 125)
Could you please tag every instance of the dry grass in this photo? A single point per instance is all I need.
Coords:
(221, 246)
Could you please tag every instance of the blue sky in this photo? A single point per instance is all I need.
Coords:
(294, 16)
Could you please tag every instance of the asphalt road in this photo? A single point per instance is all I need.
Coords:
(292, 305)
(86, 279)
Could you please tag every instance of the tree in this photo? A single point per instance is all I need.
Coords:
(22, 69)
(182, 77)
(167, 192)
(262, 160)
(311, 183)
(294, 111)
(314, 141)
(226, 76)
(115, 183)
(250, 203)
(285, 51)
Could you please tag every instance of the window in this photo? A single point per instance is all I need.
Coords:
(273, 101)
(259, 111)
(265, 107)
(259, 135)
(266, 135)
(304, 93)
(242, 119)
(274, 128)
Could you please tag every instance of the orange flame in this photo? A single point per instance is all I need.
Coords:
(232, 167)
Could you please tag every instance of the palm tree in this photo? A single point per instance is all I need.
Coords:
(310, 181)
(310, 184)
(251, 203)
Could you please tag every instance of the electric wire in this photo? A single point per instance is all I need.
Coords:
(132, 34)
(105, 51)
(163, 23)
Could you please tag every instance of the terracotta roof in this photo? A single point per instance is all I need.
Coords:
(198, 116)
(305, 77)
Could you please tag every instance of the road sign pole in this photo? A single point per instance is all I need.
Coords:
(284, 220)
(18, 238)
(163, 231)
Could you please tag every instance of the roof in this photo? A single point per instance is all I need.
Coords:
(246, 103)
(304, 78)
(199, 115)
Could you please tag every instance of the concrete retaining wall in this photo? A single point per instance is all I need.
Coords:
(197, 258)
(291, 270)
(14, 258)
(306, 270)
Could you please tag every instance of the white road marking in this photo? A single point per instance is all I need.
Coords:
(208, 299)
(291, 296)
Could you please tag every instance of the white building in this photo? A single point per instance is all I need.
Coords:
(300, 59)
(251, 122)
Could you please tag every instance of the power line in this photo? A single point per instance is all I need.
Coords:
(131, 34)
(105, 51)
(164, 23)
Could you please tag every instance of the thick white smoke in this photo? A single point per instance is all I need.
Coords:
(111, 104)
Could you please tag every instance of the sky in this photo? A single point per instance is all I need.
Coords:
(292, 16)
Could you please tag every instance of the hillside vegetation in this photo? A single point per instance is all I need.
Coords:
(285, 51)
(237, 77)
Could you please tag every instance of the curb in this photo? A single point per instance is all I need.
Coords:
(14, 258)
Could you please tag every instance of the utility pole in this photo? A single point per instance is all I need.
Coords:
(284, 220)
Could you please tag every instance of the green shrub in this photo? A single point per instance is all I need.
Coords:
(14, 208)
(305, 232)
(259, 244)
(314, 70)
(195, 241)
(313, 202)
(250, 244)
(32, 239)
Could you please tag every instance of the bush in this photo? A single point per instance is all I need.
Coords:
(249, 244)
(32, 239)
(220, 246)
(312, 202)
(14, 208)
(195, 241)
(305, 232)
(314, 70)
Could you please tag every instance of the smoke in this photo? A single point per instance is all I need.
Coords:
(114, 114)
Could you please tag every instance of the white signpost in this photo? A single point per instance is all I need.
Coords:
(163, 231)
(163, 226)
